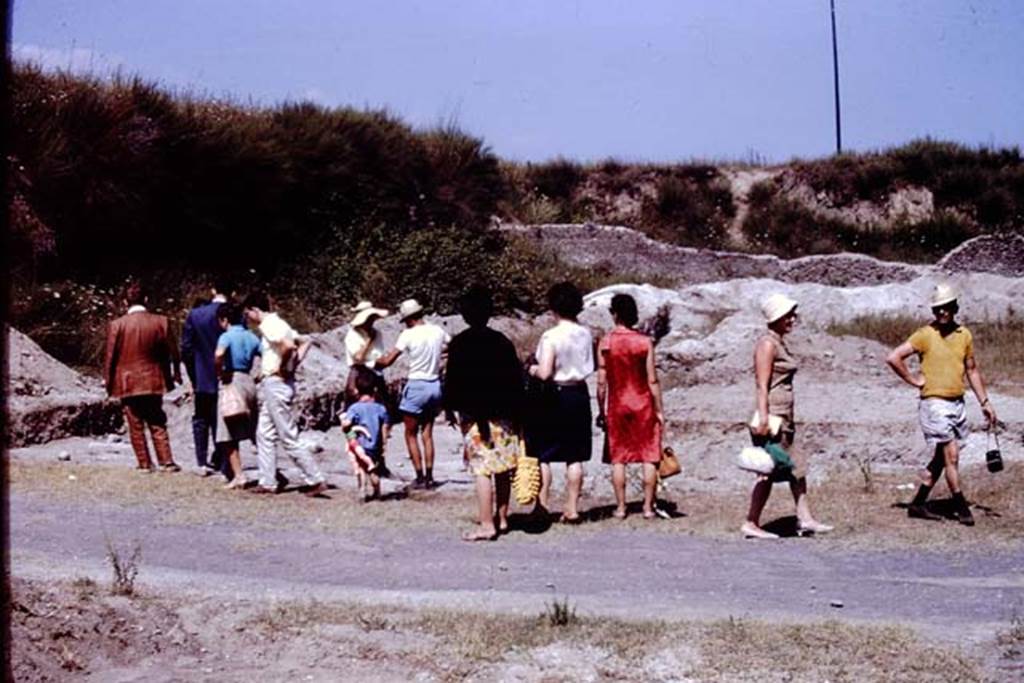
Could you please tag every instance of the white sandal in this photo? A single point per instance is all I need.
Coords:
(751, 530)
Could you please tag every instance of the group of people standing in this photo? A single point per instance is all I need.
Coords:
(504, 408)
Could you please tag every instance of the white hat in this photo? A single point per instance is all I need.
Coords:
(408, 309)
(943, 294)
(363, 311)
(776, 306)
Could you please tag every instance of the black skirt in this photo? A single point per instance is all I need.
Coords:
(559, 422)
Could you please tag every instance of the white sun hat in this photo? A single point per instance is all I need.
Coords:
(363, 311)
(408, 309)
(776, 306)
(943, 294)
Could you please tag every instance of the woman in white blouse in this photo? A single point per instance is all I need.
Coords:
(562, 427)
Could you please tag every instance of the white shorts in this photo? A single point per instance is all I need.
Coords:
(943, 420)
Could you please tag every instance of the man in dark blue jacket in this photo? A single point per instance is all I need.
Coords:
(198, 343)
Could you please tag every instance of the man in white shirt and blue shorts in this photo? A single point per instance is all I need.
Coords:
(425, 344)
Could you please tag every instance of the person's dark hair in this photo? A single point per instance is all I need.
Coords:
(565, 300)
(224, 286)
(476, 306)
(231, 312)
(257, 300)
(135, 293)
(366, 381)
(624, 309)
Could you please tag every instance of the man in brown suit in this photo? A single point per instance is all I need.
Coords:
(142, 363)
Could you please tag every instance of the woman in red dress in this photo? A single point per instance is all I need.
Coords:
(629, 403)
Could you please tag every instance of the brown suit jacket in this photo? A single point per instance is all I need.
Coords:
(141, 356)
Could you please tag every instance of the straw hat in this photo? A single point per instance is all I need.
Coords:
(943, 294)
(363, 311)
(776, 306)
(408, 309)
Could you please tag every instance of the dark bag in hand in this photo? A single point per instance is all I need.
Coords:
(993, 458)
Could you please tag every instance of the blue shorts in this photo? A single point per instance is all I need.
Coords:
(421, 398)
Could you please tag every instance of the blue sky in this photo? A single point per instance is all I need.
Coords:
(646, 80)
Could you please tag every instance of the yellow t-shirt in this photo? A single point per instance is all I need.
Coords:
(942, 360)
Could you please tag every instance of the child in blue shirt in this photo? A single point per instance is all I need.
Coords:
(365, 424)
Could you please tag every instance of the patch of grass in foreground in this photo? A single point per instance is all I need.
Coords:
(999, 344)
(721, 650)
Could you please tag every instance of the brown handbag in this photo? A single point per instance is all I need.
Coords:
(669, 465)
(231, 402)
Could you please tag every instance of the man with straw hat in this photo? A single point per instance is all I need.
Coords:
(946, 352)
(425, 344)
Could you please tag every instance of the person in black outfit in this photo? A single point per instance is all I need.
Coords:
(483, 384)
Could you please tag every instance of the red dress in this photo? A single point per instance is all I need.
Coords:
(634, 434)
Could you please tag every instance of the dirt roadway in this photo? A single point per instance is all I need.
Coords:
(632, 573)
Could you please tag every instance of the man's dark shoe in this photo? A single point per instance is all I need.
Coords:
(921, 512)
(281, 480)
(316, 490)
(262, 490)
(965, 517)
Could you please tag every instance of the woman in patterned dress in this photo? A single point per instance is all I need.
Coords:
(483, 384)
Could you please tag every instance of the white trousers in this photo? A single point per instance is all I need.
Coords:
(277, 424)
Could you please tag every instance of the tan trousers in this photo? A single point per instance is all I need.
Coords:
(143, 411)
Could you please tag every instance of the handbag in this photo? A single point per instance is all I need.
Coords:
(526, 479)
(755, 459)
(669, 465)
(231, 402)
(993, 458)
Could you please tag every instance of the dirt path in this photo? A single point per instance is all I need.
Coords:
(630, 573)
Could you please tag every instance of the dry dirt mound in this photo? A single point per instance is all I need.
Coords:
(999, 254)
(62, 630)
(639, 258)
(47, 400)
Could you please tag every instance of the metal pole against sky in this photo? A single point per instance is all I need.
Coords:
(835, 77)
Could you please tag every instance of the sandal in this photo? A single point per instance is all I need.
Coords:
(619, 514)
(650, 515)
(236, 483)
(473, 536)
(572, 521)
